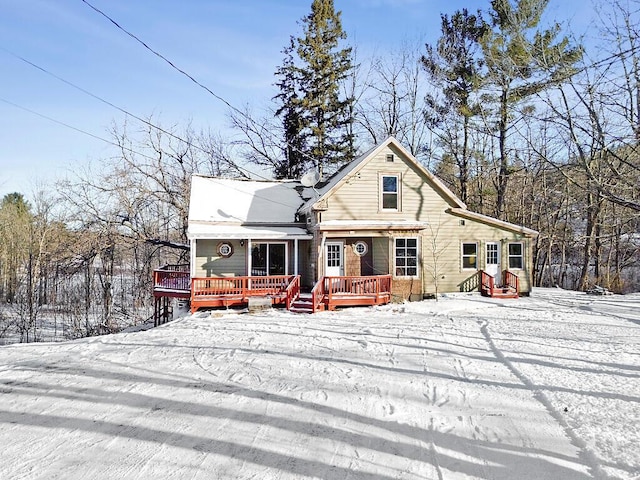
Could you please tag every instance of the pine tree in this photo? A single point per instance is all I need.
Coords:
(315, 116)
(521, 61)
(455, 65)
(294, 163)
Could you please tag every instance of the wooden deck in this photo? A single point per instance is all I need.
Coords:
(236, 291)
(170, 281)
(509, 289)
(333, 292)
(282, 290)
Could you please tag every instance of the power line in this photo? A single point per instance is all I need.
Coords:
(84, 132)
(159, 55)
(126, 112)
(130, 150)
(189, 76)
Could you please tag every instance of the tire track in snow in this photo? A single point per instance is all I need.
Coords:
(587, 455)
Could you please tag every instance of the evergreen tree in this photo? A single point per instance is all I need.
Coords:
(316, 118)
(521, 61)
(455, 66)
(294, 163)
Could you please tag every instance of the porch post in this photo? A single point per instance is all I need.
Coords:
(192, 258)
(295, 257)
(248, 257)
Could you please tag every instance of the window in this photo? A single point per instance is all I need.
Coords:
(516, 260)
(268, 259)
(390, 192)
(406, 257)
(225, 250)
(492, 254)
(470, 255)
(360, 248)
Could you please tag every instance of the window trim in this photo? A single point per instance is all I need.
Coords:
(417, 258)
(268, 243)
(363, 245)
(398, 192)
(520, 256)
(462, 255)
(224, 249)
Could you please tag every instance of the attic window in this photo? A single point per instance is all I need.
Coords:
(390, 157)
(390, 192)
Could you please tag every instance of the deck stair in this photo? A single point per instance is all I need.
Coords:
(302, 304)
(509, 289)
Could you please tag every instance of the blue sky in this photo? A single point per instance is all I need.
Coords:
(231, 46)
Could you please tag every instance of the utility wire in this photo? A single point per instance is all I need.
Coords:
(126, 112)
(84, 132)
(130, 150)
(189, 76)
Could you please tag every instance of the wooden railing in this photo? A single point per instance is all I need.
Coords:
(293, 291)
(245, 286)
(510, 285)
(487, 283)
(329, 289)
(173, 278)
(511, 280)
(317, 296)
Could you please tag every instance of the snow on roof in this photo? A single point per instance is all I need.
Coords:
(226, 231)
(243, 201)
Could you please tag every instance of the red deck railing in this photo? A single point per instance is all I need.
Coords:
(331, 292)
(487, 283)
(509, 289)
(225, 291)
(172, 280)
(511, 280)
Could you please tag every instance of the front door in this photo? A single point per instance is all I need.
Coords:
(492, 266)
(334, 261)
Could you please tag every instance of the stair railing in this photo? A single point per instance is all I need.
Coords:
(511, 280)
(488, 282)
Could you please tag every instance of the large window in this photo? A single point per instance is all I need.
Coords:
(470, 255)
(269, 259)
(406, 257)
(516, 260)
(390, 192)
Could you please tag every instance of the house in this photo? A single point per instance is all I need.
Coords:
(381, 228)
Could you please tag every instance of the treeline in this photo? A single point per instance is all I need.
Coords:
(523, 122)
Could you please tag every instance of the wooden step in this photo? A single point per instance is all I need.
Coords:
(503, 292)
(303, 304)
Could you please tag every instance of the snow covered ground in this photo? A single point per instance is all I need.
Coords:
(546, 387)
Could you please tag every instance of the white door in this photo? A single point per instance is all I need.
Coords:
(492, 265)
(334, 264)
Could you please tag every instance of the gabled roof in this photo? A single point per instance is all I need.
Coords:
(342, 175)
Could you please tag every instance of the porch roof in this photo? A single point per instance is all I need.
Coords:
(202, 230)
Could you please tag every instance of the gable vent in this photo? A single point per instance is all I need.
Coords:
(390, 157)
